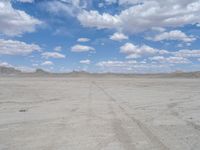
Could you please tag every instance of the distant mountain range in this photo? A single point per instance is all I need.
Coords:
(10, 71)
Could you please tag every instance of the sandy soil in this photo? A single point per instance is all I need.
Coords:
(99, 114)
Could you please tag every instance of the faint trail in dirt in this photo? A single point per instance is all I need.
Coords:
(34, 122)
(153, 138)
(121, 133)
(32, 102)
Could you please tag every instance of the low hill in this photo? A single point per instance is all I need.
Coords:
(10, 71)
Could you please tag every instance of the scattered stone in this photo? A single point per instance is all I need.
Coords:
(22, 110)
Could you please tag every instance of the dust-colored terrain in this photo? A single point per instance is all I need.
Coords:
(99, 113)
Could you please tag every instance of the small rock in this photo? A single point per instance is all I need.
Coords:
(22, 110)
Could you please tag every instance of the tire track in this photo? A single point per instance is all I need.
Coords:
(121, 134)
(31, 102)
(153, 138)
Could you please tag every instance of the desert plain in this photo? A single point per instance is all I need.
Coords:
(99, 113)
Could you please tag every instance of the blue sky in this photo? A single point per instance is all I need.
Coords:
(128, 36)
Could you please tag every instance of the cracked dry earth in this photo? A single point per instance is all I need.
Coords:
(99, 114)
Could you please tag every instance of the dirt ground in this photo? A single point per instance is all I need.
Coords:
(99, 113)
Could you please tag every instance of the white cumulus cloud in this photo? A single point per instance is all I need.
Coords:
(81, 48)
(15, 22)
(13, 47)
(174, 35)
(118, 37)
(87, 61)
(187, 53)
(131, 66)
(64, 7)
(145, 15)
(83, 40)
(171, 59)
(100, 21)
(47, 55)
(111, 63)
(136, 51)
(47, 63)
